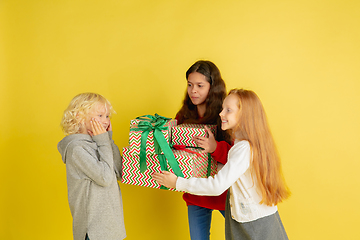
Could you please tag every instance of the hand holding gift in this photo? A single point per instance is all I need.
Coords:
(165, 178)
(207, 143)
(185, 133)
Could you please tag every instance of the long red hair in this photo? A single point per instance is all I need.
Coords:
(265, 163)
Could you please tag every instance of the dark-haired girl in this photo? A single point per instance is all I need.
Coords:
(202, 104)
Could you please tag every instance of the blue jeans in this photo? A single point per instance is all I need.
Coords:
(200, 222)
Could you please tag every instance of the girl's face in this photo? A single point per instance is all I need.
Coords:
(198, 88)
(99, 113)
(230, 114)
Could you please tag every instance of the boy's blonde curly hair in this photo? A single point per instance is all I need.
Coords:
(78, 110)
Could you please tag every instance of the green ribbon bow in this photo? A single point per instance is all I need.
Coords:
(156, 123)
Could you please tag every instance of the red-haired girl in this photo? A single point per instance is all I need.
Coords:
(202, 104)
(252, 172)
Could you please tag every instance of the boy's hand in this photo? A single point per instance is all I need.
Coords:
(208, 144)
(96, 127)
(165, 178)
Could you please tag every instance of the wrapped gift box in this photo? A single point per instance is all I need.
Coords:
(183, 134)
(191, 165)
(198, 162)
(135, 135)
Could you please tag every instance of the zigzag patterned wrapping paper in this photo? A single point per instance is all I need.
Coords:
(183, 134)
(135, 136)
(191, 165)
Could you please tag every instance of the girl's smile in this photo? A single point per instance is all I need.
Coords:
(230, 113)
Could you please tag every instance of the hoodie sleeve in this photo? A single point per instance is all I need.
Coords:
(101, 169)
(117, 158)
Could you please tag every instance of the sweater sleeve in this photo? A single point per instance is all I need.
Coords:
(221, 152)
(117, 158)
(238, 163)
(100, 170)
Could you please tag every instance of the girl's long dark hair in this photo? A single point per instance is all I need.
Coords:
(217, 93)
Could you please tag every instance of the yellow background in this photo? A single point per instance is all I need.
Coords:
(301, 57)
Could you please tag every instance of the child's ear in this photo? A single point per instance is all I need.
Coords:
(81, 125)
(80, 120)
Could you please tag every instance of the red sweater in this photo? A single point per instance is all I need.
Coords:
(211, 202)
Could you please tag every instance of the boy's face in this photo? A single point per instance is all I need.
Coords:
(99, 113)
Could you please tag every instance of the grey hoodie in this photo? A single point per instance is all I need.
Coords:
(93, 165)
